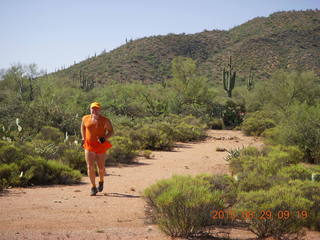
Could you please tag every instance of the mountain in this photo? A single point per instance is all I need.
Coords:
(288, 40)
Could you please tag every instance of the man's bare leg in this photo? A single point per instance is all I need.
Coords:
(90, 159)
(101, 159)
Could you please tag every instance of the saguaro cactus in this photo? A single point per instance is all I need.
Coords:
(85, 83)
(250, 83)
(229, 78)
(31, 89)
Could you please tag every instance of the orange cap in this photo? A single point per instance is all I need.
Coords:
(95, 105)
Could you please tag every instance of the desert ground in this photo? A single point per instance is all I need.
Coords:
(69, 212)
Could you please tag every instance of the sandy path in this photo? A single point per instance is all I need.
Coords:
(68, 212)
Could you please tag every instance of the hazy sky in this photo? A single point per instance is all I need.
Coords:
(55, 33)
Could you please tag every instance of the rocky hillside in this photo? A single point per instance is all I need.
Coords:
(288, 40)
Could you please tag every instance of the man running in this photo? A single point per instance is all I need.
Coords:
(96, 129)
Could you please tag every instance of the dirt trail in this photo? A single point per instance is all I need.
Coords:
(68, 212)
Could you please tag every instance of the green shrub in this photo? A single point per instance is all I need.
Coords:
(296, 171)
(62, 174)
(274, 201)
(310, 190)
(75, 159)
(161, 133)
(251, 151)
(315, 173)
(37, 171)
(155, 139)
(48, 133)
(279, 156)
(147, 154)
(259, 169)
(285, 154)
(123, 150)
(34, 171)
(181, 205)
(284, 89)
(301, 128)
(149, 136)
(135, 135)
(259, 173)
(238, 157)
(4, 143)
(232, 113)
(224, 183)
(10, 154)
(186, 132)
(9, 175)
(256, 123)
(215, 123)
(183, 129)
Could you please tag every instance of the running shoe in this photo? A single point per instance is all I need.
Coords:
(94, 191)
(100, 187)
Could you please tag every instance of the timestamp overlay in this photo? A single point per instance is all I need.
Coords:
(262, 215)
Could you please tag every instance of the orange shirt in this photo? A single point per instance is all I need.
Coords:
(95, 130)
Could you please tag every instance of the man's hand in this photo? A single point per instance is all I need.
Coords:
(102, 140)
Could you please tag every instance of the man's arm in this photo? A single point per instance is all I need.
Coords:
(109, 129)
(83, 131)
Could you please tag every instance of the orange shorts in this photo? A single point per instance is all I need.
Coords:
(97, 147)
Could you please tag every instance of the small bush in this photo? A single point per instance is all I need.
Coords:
(33, 171)
(182, 205)
(315, 173)
(161, 133)
(224, 183)
(123, 150)
(215, 123)
(295, 172)
(75, 159)
(301, 129)
(147, 154)
(38, 171)
(62, 174)
(155, 139)
(184, 129)
(259, 169)
(4, 143)
(10, 154)
(246, 159)
(185, 132)
(276, 200)
(232, 113)
(9, 175)
(258, 173)
(238, 157)
(310, 191)
(48, 133)
(285, 154)
(256, 123)
(149, 136)
(135, 135)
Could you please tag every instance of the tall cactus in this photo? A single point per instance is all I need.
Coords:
(85, 83)
(31, 89)
(250, 83)
(229, 78)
